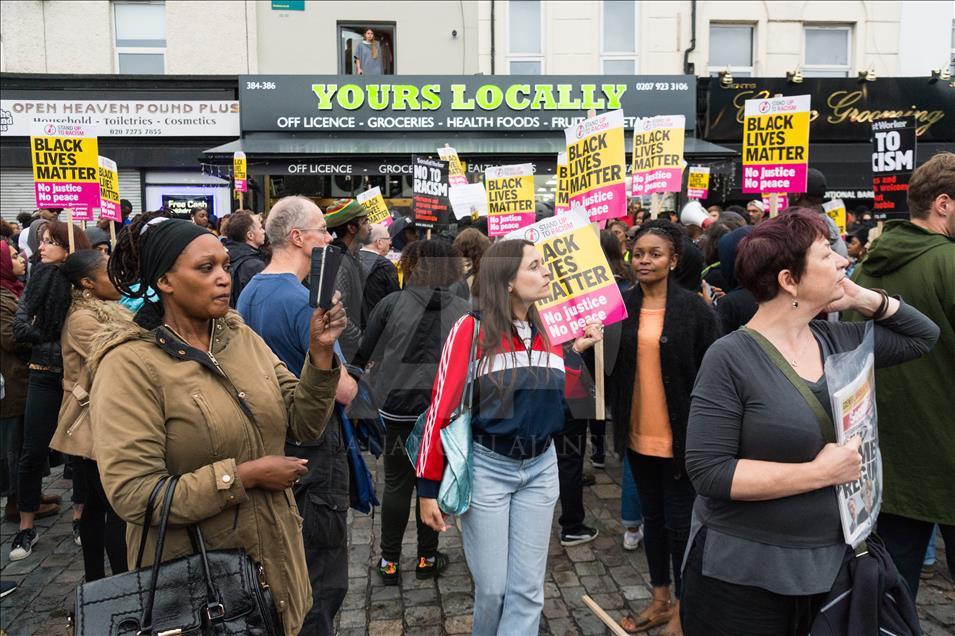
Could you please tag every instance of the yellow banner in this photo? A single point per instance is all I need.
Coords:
(65, 159)
(836, 210)
(510, 198)
(375, 205)
(595, 157)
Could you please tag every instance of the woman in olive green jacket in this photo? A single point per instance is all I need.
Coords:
(167, 400)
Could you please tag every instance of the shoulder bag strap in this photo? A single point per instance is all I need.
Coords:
(467, 397)
(145, 623)
(826, 426)
(148, 519)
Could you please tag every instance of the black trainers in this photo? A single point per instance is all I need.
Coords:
(430, 568)
(7, 587)
(22, 545)
(578, 537)
(76, 533)
(389, 571)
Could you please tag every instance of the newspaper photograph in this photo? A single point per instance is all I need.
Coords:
(854, 415)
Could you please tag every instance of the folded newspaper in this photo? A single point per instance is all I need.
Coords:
(851, 379)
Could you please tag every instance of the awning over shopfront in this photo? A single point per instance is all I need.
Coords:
(281, 145)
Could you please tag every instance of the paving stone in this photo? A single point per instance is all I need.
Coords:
(555, 608)
(563, 627)
(572, 596)
(458, 624)
(420, 597)
(454, 584)
(550, 590)
(635, 592)
(588, 623)
(566, 578)
(386, 610)
(590, 568)
(606, 491)
(385, 628)
(417, 616)
(579, 553)
(352, 619)
(457, 603)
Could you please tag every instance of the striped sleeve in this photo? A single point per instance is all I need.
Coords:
(445, 398)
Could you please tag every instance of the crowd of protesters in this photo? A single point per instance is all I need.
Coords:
(189, 347)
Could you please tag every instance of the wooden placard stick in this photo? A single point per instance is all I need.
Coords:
(655, 203)
(600, 411)
(607, 620)
(112, 234)
(773, 205)
(69, 229)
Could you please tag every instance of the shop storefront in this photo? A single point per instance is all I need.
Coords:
(840, 133)
(154, 128)
(335, 136)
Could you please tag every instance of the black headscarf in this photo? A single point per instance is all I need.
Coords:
(165, 240)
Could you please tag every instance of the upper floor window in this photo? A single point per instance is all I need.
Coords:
(826, 51)
(618, 41)
(140, 29)
(731, 48)
(525, 37)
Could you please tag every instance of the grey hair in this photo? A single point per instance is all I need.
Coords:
(289, 213)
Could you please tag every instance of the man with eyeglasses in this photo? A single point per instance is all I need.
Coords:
(275, 305)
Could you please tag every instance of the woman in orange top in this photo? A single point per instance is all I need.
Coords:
(656, 353)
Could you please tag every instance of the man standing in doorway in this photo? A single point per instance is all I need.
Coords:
(275, 305)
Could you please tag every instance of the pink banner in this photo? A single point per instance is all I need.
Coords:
(566, 321)
(501, 224)
(80, 196)
(110, 211)
(604, 202)
(660, 180)
(780, 177)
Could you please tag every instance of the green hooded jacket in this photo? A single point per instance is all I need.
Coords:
(915, 399)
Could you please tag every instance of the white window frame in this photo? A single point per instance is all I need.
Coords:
(634, 56)
(523, 57)
(734, 70)
(135, 50)
(808, 69)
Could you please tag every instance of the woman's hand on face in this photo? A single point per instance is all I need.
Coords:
(593, 333)
(327, 325)
(272, 472)
(431, 515)
(840, 464)
(854, 297)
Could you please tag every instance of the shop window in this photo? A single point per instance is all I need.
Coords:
(140, 29)
(826, 51)
(618, 48)
(374, 57)
(731, 47)
(525, 37)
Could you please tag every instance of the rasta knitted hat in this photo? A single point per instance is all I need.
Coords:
(342, 211)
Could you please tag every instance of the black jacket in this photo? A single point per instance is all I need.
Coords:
(404, 338)
(689, 328)
(246, 262)
(46, 353)
(349, 283)
(380, 278)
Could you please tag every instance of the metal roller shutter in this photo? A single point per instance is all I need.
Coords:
(16, 191)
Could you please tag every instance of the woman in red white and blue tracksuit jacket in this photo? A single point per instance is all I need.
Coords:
(518, 405)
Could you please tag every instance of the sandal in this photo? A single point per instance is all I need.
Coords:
(657, 613)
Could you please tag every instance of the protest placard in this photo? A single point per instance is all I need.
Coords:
(561, 200)
(698, 182)
(109, 190)
(468, 200)
(431, 205)
(582, 285)
(239, 173)
(893, 160)
(851, 380)
(657, 155)
(376, 207)
(66, 169)
(456, 172)
(595, 161)
(836, 210)
(510, 198)
(775, 144)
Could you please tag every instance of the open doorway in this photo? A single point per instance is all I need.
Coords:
(378, 55)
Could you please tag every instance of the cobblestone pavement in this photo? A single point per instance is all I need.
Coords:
(616, 579)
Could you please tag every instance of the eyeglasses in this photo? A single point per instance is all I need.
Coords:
(48, 241)
(323, 230)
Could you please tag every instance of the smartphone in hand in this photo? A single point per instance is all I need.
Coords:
(321, 279)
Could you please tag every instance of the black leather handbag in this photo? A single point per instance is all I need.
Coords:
(207, 593)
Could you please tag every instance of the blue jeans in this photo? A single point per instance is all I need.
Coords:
(506, 535)
(631, 515)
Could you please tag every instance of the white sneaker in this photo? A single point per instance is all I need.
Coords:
(631, 540)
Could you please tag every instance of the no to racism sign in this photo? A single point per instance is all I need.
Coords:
(66, 169)
(595, 160)
(376, 207)
(776, 144)
(431, 204)
(658, 155)
(510, 198)
(893, 160)
(582, 285)
(109, 191)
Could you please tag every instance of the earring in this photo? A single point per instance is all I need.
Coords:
(795, 303)
(87, 294)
